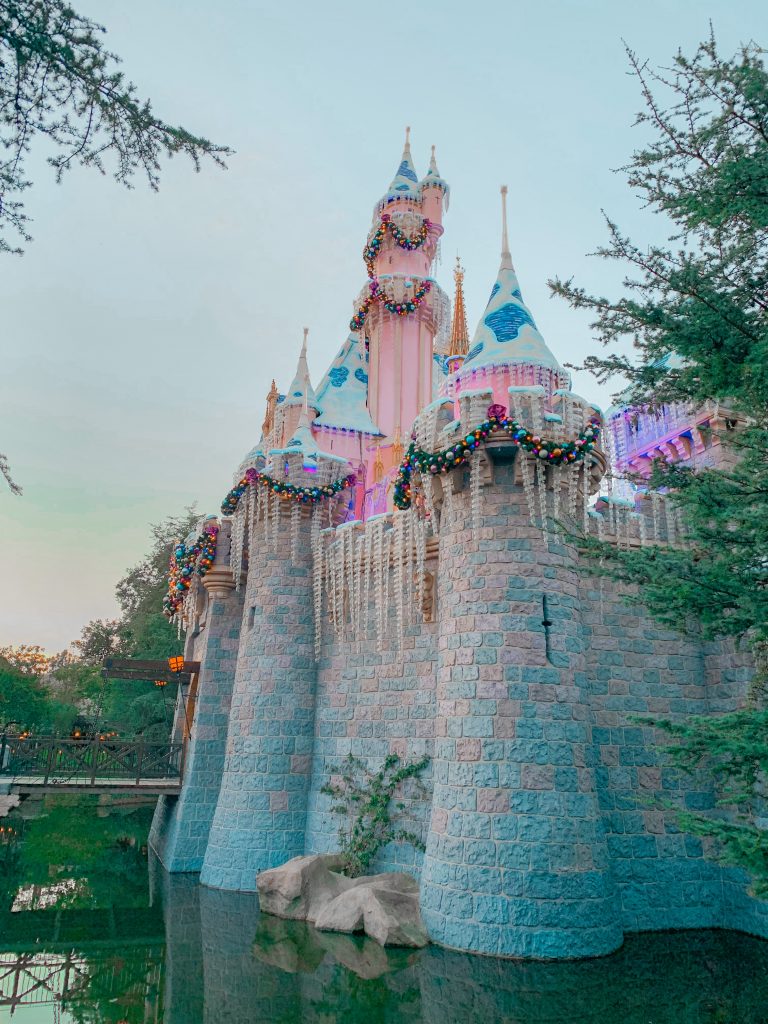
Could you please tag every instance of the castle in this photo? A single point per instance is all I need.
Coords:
(391, 575)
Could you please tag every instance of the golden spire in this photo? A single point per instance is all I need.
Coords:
(378, 465)
(397, 447)
(459, 332)
(269, 419)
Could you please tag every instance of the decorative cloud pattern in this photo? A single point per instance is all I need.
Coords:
(406, 171)
(338, 375)
(507, 321)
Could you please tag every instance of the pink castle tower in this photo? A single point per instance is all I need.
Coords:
(398, 316)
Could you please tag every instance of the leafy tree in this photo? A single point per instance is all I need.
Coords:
(695, 308)
(29, 659)
(142, 631)
(58, 84)
(366, 800)
(23, 702)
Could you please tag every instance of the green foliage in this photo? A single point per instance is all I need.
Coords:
(23, 703)
(59, 86)
(142, 631)
(367, 801)
(695, 309)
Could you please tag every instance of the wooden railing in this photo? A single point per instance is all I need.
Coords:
(53, 760)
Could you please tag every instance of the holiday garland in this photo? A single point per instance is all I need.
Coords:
(557, 453)
(305, 495)
(396, 308)
(373, 247)
(186, 561)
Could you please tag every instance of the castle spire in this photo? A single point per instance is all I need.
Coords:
(459, 330)
(405, 184)
(269, 417)
(507, 335)
(506, 255)
(301, 391)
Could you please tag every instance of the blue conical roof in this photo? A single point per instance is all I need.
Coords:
(432, 177)
(343, 393)
(507, 332)
(405, 184)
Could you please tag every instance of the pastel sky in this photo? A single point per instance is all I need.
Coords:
(140, 332)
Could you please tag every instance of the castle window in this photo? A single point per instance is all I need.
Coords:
(547, 624)
(251, 616)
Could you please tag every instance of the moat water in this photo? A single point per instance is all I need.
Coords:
(120, 942)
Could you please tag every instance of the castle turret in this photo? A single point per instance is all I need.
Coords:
(399, 308)
(261, 811)
(508, 348)
(516, 859)
(299, 395)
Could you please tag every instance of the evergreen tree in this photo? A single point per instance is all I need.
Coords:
(60, 86)
(694, 308)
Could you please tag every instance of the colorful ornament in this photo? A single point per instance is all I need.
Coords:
(557, 453)
(376, 294)
(186, 562)
(408, 242)
(303, 495)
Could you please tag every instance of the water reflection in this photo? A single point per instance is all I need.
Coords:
(170, 952)
(255, 968)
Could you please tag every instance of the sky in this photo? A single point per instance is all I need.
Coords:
(140, 332)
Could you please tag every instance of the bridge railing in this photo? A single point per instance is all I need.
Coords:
(88, 761)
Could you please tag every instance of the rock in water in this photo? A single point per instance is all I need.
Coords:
(385, 907)
(388, 914)
(301, 887)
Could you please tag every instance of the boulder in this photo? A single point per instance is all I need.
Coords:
(385, 907)
(301, 887)
(387, 913)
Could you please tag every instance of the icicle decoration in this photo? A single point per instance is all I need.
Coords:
(572, 498)
(655, 515)
(340, 581)
(295, 517)
(399, 531)
(448, 511)
(585, 499)
(367, 569)
(557, 483)
(642, 529)
(669, 518)
(236, 545)
(680, 526)
(275, 502)
(388, 538)
(600, 528)
(475, 492)
(378, 583)
(317, 578)
(357, 586)
(421, 560)
(429, 500)
(541, 484)
(526, 473)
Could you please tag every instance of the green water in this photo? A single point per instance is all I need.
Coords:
(101, 934)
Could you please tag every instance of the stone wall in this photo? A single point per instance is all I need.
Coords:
(182, 825)
(544, 822)
(371, 704)
(261, 813)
